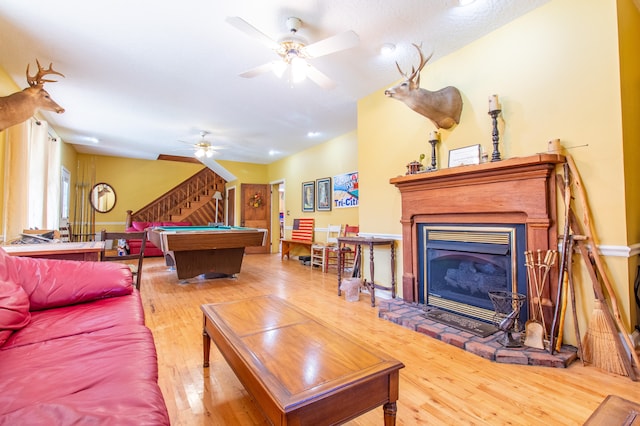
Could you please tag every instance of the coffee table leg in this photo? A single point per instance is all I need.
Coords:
(390, 410)
(206, 344)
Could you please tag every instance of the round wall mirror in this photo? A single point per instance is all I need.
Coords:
(102, 197)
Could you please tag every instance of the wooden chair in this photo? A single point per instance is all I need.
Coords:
(136, 269)
(66, 234)
(320, 250)
(349, 250)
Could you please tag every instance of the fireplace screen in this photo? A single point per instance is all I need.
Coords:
(460, 264)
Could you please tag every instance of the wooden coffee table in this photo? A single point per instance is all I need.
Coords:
(298, 370)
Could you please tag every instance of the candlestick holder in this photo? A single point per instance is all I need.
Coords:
(495, 156)
(434, 160)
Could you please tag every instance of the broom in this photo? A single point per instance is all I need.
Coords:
(598, 341)
(602, 345)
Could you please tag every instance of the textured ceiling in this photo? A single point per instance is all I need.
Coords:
(147, 77)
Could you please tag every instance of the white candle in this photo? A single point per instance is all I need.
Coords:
(494, 104)
(434, 135)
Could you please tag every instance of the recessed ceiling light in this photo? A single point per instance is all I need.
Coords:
(91, 139)
(313, 134)
(387, 49)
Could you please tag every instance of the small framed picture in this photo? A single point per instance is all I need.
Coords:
(464, 156)
(308, 196)
(323, 194)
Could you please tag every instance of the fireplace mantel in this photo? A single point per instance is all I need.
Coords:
(517, 190)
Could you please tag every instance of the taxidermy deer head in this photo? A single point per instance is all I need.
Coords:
(19, 106)
(442, 107)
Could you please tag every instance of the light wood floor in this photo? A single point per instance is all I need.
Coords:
(440, 385)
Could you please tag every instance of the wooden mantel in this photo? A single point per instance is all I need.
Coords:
(514, 191)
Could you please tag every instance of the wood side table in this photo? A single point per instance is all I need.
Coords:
(83, 251)
(371, 242)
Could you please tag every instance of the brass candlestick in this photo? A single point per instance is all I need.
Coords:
(495, 156)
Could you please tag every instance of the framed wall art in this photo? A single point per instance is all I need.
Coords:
(308, 196)
(323, 194)
(346, 190)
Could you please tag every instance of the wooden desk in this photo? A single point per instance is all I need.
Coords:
(211, 250)
(298, 370)
(287, 245)
(84, 251)
(370, 242)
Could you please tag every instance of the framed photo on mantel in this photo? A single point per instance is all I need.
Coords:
(464, 156)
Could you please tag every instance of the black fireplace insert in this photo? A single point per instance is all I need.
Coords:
(460, 264)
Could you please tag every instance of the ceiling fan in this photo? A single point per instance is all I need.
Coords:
(203, 148)
(294, 51)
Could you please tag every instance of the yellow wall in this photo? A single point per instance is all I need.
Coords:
(2, 147)
(331, 158)
(136, 182)
(629, 28)
(553, 74)
(556, 70)
(69, 160)
(245, 173)
(7, 86)
(337, 156)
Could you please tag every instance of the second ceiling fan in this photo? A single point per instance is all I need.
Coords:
(294, 51)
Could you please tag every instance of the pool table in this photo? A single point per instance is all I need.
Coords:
(215, 251)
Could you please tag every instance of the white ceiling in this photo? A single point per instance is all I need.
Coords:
(146, 77)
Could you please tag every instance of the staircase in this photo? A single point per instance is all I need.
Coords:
(190, 201)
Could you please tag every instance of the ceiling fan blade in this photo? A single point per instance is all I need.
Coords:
(252, 31)
(320, 78)
(338, 42)
(261, 69)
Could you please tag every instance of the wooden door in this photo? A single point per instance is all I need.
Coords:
(231, 207)
(255, 210)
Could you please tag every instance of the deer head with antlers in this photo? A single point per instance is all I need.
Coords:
(19, 106)
(442, 107)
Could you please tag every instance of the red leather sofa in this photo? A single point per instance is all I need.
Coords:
(73, 346)
(150, 250)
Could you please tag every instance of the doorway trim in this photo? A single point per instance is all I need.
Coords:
(275, 213)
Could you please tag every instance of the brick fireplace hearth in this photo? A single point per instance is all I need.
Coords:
(409, 315)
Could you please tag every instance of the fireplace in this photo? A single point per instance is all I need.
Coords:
(460, 265)
(517, 194)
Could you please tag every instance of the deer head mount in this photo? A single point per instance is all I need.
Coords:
(19, 106)
(442, 107)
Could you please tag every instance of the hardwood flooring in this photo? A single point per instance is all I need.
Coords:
(440, 385)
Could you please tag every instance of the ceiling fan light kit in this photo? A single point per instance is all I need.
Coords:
(294, 52)
(204, 150)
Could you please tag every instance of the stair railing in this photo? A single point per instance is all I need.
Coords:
(161, 209)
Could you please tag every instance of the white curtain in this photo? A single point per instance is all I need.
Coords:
(53, 189)
(32, 179)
